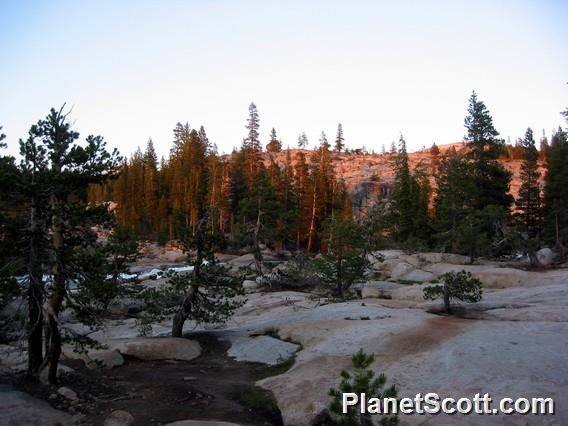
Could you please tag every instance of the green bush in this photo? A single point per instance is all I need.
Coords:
(456, 286)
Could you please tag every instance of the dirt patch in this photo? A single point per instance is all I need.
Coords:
(211, 387)
(423, 338)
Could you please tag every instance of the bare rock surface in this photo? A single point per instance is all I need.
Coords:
(514, 346)
(378, 289)
(264, 349)
(19, 408)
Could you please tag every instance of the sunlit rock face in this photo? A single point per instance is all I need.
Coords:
(370, 176)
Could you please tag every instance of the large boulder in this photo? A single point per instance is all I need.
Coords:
(545, 256)
(149, 349)
(401, 269)
(244, 261)
(95, 358)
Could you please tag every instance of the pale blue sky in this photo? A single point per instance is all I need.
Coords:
(132, 69)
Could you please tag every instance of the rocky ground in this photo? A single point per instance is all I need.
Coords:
(293, 344)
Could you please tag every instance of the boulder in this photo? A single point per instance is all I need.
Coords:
(545, 256)
(61, 369)
(246, 260)
(401, 269)
(149, 349)
(95, 358)
(119, 418)
(70, 394)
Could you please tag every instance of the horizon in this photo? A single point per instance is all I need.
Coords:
(379, 69)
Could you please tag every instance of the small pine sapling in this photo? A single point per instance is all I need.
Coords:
(361, 380)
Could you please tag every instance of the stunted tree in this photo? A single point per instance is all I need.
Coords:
(207, 294)
(456, 286)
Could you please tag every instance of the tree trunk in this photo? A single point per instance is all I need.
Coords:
(257, 252)
(183, 313)
(53, 342)
(35, 300)
(447, 303)
(312, 223)
(534, 262)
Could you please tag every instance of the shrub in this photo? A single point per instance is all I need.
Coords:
(456, 286)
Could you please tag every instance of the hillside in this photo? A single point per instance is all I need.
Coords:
(367, 174)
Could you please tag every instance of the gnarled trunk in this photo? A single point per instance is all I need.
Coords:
(183, 313)
(35, 299)
(53, 336)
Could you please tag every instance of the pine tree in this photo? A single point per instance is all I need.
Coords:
(345, 260)
(302, 141)
(490, 177)
(402, 203)
(150, 179)
(452, 199)
(274, 145)
(253, 141)
(56, 173)
(251, 146)
(529, 200)
(339, 144)
(543, 147)
(556, 192)
(393, 149)
(304, 194)
(491, 199)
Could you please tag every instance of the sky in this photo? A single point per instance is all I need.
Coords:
(130, 70)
